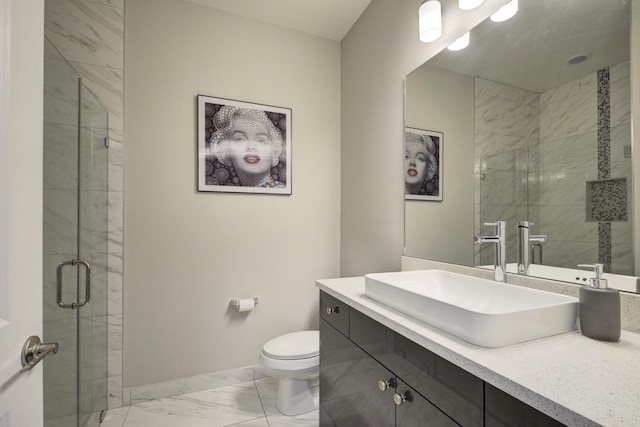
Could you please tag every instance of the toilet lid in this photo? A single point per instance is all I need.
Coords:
(296, 345)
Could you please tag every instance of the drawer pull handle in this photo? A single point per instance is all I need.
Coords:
(332, 310)
(384, 385)
(399, 399)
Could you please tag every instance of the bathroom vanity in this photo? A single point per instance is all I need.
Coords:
(379, 367)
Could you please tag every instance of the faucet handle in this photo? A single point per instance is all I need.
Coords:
(497, 224)
(500, 227)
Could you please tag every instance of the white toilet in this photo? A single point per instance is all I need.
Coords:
(294, 359)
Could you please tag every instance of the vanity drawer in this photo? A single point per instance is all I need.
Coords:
(335, 312)
(452, 389)
(371, 336)
(503, 410)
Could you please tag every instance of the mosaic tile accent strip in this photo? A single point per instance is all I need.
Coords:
(599, 189)
(604, 244)
(604, 124)
(607, 200)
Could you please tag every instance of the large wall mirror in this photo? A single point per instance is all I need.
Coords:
(535, 119)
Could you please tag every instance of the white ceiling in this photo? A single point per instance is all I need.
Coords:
(331, 19)
(531, 50)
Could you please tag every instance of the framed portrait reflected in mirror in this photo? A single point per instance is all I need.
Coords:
(243, 147)
(422, 164)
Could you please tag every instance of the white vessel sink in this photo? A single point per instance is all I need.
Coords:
(482, 312)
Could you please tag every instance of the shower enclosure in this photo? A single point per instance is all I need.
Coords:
(75, 247)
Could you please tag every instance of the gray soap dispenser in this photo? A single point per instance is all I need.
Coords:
(599, 308)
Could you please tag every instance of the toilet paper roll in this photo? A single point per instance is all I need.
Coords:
(246, 304)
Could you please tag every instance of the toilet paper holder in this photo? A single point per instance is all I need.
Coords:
(235, 303)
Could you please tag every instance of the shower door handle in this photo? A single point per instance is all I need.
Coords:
(87, 283)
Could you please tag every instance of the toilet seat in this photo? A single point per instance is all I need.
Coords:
(293, 365)
(293, 346)
(297, 351)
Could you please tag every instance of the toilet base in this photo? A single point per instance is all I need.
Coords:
(297, 396)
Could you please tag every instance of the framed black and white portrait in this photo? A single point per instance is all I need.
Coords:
(422, 164)
(243, 147)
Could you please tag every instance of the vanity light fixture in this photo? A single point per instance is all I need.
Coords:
(505, 12)
(430, 21)
(469, 4)
(460, 43)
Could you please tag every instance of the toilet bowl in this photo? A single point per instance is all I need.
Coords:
(294, 359)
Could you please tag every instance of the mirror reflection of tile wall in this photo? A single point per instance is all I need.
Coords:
(506, 127)
(516, 131)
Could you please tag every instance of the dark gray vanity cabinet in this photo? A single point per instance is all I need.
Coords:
(356, 390)
(451, 389)
(349, 384)
(372, 376)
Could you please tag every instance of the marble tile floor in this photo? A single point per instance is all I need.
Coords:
(248, 404)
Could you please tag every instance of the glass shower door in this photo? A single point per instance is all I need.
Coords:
(75, 247)
(60, 227)
(92, 247)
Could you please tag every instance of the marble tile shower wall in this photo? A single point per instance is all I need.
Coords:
(506, 138)
(90, 35)
(569, 122)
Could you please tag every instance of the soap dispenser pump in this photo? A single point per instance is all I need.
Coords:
(599, 307)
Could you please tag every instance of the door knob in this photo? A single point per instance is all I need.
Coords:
(34, 350)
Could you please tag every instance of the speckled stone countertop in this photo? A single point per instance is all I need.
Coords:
(574, 379)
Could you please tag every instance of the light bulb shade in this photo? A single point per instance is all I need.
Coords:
(505, 12)
(430, 21)
(460, 43)
(469, 4)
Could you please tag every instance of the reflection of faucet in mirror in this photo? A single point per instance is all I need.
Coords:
(525, 239)
(500, 252)
(534, 246)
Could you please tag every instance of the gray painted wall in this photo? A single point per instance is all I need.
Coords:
(377, 53)
(187, 254)
(442, 101)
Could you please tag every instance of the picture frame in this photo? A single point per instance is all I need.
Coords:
(243, 147)
(423, 164)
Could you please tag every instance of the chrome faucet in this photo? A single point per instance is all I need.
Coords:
(524, 240)
(500, 248)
